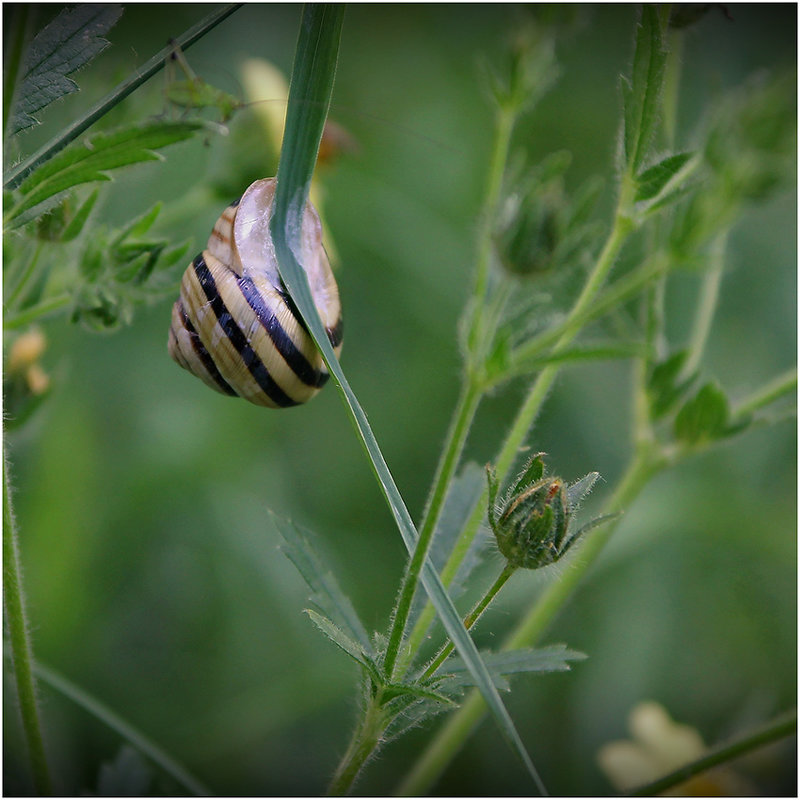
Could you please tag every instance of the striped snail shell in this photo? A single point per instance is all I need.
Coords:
(235, 326)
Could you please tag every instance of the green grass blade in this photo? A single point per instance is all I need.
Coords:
(142, 743)
(309, 98)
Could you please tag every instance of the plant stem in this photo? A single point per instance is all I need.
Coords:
(471, 618)
(34, 312)
(14, 176)
(775, 389)
(21, 652)
(616, 294)
(364, 742)
(779, 728)
(462, 420)
(577, 317)
(707, 305)
(469, 399)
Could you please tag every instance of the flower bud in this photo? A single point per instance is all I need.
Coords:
(532, 522)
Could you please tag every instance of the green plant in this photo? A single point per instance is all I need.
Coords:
(536, 239)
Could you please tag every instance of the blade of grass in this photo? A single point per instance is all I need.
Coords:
(127, 731)
(14, 176)
(309, 98)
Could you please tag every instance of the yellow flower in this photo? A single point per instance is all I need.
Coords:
(658, 746)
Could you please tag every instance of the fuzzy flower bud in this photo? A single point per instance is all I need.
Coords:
(532, 522)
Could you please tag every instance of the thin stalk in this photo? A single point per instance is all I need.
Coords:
(584, 306)
(617, 293)
(14, 176)
(707, 305)
(504, 126)
(462, 421)
(363, 744)
(21, 651)
(27, 273)
(779, 386)
(470, 396)
(779, 728)
(142, 743)
(471, 618)
(33, 313)
(541, 386)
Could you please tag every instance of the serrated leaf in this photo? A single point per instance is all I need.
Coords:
(75, 226)
(552, 658)
(641, 94)
(345, 643)
(62, 47)
(578, 490)
(326, 593)
(128, 775)
(652, 181)
(138, 226)
(704, 416)
(90, 160)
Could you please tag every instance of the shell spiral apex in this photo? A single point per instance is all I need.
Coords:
(235, 326)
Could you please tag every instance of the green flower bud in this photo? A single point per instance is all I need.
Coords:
(532, 522)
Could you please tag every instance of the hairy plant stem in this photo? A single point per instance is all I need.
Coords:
(471, 618)
(573, 324)
(471, 390)
(365, 741)
(21, 651)
(462, 421)
(779, 728)
(707, 305)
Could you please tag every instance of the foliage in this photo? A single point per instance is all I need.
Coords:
(560, 285)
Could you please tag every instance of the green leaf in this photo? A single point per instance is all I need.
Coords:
(309, 98)
(326, 593)
(14, 176)
(75, 225)
(663, 386)
(641, 94)
(128, 775)
(414, 692)
(552, 658)
(703, 417)
(89, 161)
(65, 45)
(652, 181)
(344, 642)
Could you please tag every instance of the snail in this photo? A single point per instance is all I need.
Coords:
(235, 326)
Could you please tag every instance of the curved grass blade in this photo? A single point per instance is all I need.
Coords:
(309, 98)
(141, 742)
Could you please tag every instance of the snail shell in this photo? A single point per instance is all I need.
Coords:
(235, 326)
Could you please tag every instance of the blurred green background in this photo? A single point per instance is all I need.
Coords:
(153, 574)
